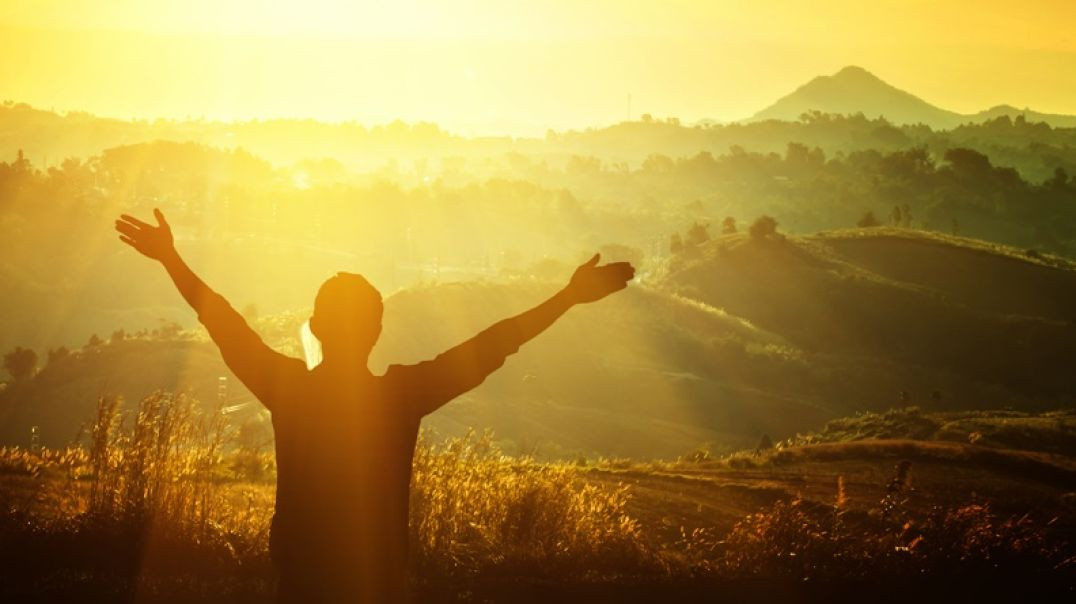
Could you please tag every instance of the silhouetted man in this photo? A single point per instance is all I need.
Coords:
(344, 436)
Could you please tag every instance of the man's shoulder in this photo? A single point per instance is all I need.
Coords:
(396, 371)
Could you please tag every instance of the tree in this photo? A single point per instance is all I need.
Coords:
(868, 221)
(969, 165)
(698, 234)
(95, 341)
(21, 165)
(657, 163)
(1059, 180)
(763, 227)
(895, 217)
(728, 225)
(169, 330)
(118, 336)
(20, 363)
(676, 244)
(764, 444)
(57, 354)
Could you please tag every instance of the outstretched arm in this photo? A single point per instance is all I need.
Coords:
(157, 243)
(264, 371)
(465, 366)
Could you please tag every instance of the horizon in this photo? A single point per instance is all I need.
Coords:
(477, 70)
(466, 132)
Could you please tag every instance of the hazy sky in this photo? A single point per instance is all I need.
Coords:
(521, 66)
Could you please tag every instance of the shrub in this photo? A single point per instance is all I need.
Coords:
(868, 221)
(763, 227)
(21, 363)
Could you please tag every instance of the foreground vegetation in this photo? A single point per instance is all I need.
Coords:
(175, 504)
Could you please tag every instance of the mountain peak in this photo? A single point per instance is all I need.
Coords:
(855, 72)
(851, 90)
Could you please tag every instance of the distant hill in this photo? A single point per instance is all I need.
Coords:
(1054, 119)
(644, 374)
(812, 328)
(967, 313)
(856, 90)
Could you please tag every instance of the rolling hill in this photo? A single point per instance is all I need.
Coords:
(976, 314)
(646, 374)
(812, 328)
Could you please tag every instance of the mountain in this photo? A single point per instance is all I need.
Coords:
(856, 90)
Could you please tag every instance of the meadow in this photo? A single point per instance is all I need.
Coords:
(172, 503)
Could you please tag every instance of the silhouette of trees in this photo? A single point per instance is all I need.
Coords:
(57, 355)
(21, 164)
(676, 244)
(532, 204)
(698, 234)
(765, 443)
(1059, 180)
(168, 330)
(868, 220)
(763, 227)
(21, 363)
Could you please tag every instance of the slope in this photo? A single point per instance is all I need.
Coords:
(982, 320)
(856, 90)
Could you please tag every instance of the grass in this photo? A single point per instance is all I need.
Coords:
(171, 506)
(940, 238)
(1050, 432)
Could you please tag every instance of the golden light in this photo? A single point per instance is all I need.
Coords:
(488, 67)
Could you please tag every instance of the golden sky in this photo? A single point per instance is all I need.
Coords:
(496, 66)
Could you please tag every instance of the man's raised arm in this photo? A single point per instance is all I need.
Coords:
(259, 367)
(461, 368)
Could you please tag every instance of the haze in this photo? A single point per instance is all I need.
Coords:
(480, 67)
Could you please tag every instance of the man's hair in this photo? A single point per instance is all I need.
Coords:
(347, 296)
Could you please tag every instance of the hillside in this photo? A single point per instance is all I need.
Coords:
(812, 328)
(646, 374)
(990, 327)
(856, 90)
(1054, 119)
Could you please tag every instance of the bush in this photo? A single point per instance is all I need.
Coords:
(868, 221)
(763, 227)
(21, 363)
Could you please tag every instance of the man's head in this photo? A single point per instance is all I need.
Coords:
(347, 316)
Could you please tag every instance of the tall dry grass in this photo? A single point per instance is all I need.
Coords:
(178, 491)
(474, 509)
(168, 499)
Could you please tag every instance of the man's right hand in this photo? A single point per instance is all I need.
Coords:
(151, 241)
(591, 282)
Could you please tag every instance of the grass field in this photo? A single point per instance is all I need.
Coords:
(172, 507)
